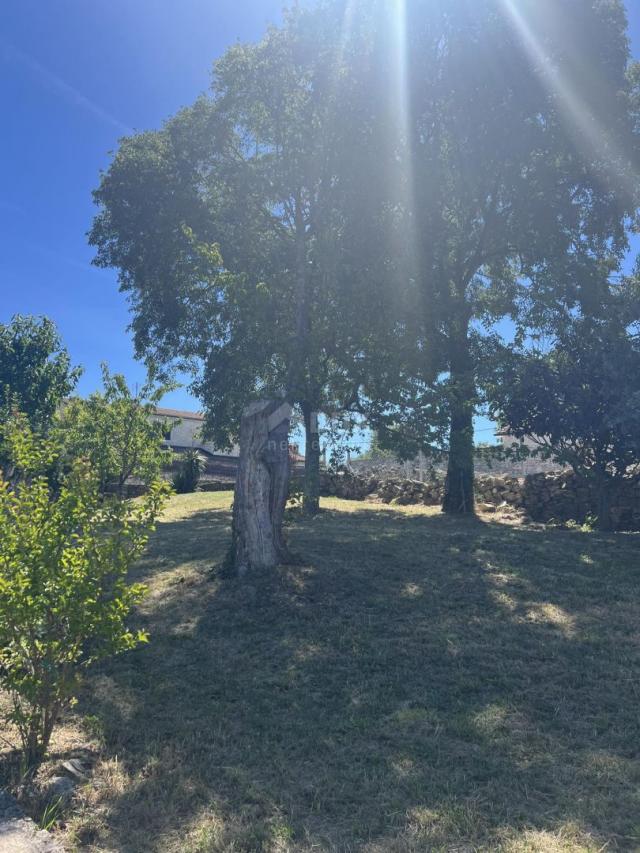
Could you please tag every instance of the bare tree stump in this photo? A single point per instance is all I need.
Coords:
(262, 488)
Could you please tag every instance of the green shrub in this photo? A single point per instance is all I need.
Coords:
(296, 492)
(188, 476)
(64, 596)
(116, 431)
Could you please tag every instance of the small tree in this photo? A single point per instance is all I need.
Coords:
(115, 431)
(64, 597)
(35, 370)
(580, 403)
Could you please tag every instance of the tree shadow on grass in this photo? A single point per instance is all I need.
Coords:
(419, 682)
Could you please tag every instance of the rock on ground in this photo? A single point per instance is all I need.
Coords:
(19, 834)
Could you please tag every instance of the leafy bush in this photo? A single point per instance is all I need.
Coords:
(296, 492)
(64, 596)
(580, 401)
(115, 430)
(35, 370)
(188, 476)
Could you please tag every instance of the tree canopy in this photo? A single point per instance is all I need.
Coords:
(579, 400)
(228, 228)
(520, 145)
(35, 370)
(364, 193)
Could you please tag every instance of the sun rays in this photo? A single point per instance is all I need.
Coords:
(533, 22)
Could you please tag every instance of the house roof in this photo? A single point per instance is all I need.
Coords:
(176, 413)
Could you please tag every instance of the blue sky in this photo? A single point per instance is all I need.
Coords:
(75, 76)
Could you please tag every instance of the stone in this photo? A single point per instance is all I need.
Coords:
(19, 834)
(76, 769)
(60, 787)
(540, 496)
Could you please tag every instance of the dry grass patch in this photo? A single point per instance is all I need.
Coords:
(418, 684)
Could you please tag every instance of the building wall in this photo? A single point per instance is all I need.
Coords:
(506, 439)
(186, 432)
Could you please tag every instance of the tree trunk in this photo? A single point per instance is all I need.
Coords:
(297, 372)
(605, 493)
(262, 487)
(311, 493)
(459, 484)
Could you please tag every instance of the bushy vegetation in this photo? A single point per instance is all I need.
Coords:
(580, 403)
(35, 370)
(64, 595)
(190, 470)
(115, 432)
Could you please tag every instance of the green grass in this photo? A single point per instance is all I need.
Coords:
(416, 684)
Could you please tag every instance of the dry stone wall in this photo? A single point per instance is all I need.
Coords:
(544, 497)
(564, 497)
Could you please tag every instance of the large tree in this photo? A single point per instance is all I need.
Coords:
(228, 228)
(517, 129)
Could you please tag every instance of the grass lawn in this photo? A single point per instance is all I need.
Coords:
(417, 684)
